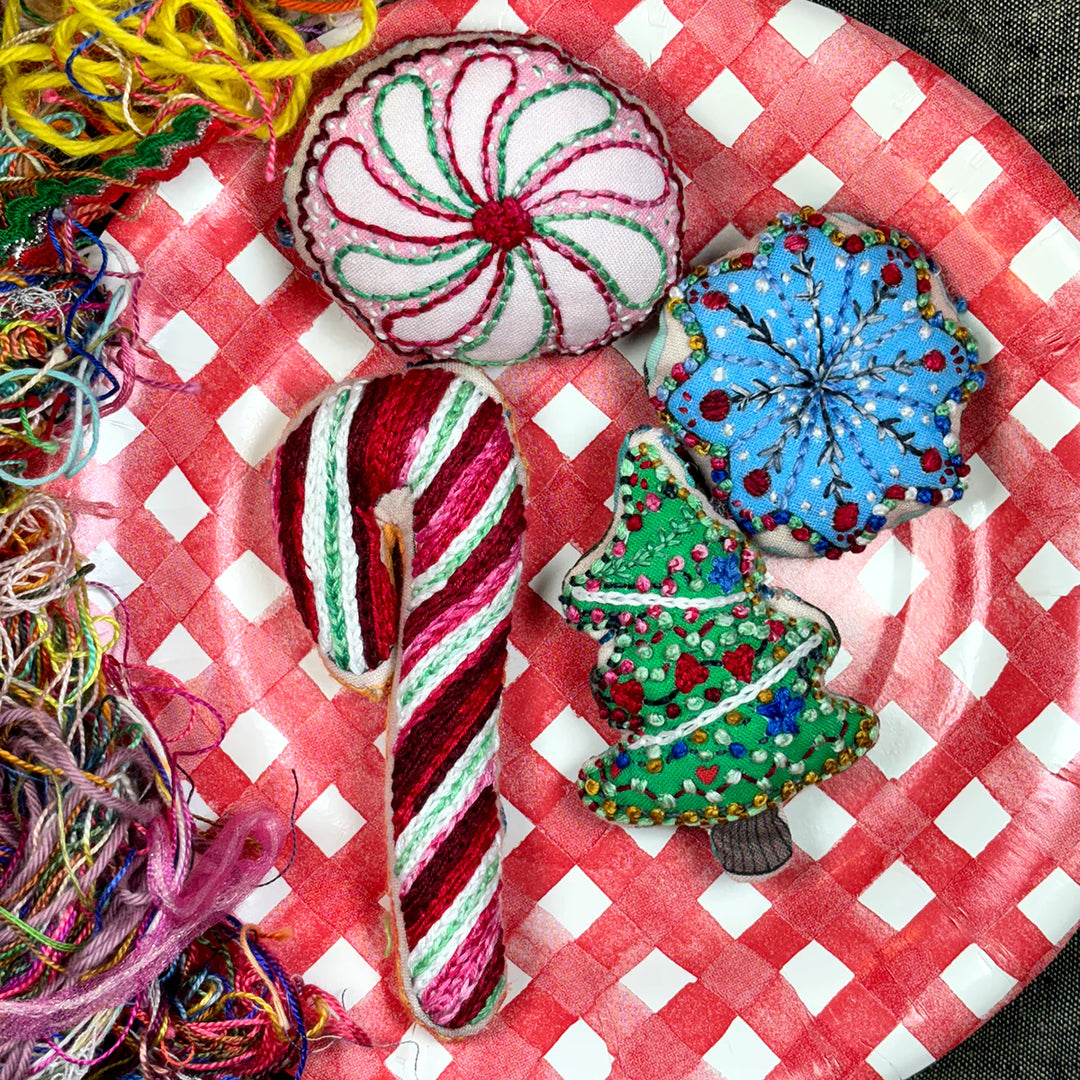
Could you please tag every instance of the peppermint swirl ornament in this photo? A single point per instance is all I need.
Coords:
(486, 198)
(820, 375)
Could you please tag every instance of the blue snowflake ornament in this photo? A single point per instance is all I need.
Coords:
(821, 381)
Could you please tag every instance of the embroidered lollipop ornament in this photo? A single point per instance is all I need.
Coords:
(400, 519)
(488, 199)
(819, 375)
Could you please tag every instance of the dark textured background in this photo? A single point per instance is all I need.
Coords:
(1022, 57)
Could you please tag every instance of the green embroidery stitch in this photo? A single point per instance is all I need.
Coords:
(434, 663)
(435, 806)
(504, 297)
(23, 214)
(461, 397)
(432, 141)
(466, 911)
(583, 133)
(335, 611)
(480, 252)
(492, 1001)
(476, 532)
(541, 225)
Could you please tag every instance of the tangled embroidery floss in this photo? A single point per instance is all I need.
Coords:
(103, 877)
(33, 185)
(39, 556)
(127, 68)
(488, 199)
(225, 1005)
(819, 375)
(399, 502)
(65, 360)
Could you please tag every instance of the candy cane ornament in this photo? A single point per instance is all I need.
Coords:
(400, 514)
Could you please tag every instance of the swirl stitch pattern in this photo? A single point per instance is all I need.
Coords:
(487, 200)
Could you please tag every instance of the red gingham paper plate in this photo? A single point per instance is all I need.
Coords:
(931, 882)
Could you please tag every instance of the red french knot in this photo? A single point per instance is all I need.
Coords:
(714, 300)
(931, 460)
(845, 516)
(715, 405)
(502, 224)
(891, 274)
(757, 482)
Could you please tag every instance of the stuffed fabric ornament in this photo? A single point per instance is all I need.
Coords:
(821, 374)
(716, 678)
(486, 198)
(400, 518)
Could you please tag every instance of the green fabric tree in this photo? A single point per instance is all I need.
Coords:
(716, 679)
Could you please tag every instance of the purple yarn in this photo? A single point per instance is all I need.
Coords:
(173, 885)
(220, 880)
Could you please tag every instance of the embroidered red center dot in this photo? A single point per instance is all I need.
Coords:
(502, 224)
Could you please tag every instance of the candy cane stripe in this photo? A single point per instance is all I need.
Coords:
(400, 518)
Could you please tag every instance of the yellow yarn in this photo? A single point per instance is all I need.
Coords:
(178, 53)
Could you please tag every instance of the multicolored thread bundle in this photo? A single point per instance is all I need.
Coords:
(104, 879)
(117, 949)
(399, 502)
(32, 192)
(65, 360)
(124, 68)
(105, 97)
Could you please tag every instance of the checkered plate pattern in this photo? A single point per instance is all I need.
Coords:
(930, 882)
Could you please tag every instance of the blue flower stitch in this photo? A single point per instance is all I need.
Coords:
(725, 573)
(782, 713)
(821, 382)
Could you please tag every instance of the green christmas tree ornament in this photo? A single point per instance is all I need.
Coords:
(715, 678)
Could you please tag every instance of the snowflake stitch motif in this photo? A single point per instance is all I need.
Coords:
(487, 200)
(821, 376)
(782, 713)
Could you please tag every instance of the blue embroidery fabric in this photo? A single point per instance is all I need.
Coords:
(823, 377)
